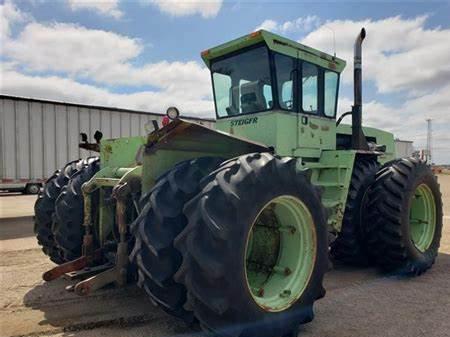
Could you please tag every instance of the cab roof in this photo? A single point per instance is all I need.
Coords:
(278, 44)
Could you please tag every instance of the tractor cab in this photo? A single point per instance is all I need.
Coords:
(275, 91)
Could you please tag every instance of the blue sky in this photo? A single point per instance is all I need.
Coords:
(144, 54)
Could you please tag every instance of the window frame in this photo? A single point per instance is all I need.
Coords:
(271, 74)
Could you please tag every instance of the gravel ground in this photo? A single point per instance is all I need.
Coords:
(359, 302)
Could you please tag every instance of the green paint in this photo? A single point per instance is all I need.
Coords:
(333, 174)
(422, 218)
(186, 140)
(381, 137)
(285, 131)
(120, 152)
(280, 253)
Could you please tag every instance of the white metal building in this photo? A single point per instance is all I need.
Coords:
(403, 148)
(39, 136)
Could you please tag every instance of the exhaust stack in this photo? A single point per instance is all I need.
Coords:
(358, 139)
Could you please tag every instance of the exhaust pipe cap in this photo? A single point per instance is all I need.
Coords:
(363, 33)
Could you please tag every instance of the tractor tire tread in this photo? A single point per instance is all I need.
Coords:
(156, 228)
(350, 246)
(389, 244)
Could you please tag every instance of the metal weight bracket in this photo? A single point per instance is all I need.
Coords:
(118, 273)
(82, 266)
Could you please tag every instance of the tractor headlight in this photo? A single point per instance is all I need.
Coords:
(172, 113)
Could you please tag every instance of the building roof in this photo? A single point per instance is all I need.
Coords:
(98, 107)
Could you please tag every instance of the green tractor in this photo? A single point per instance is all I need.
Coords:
(235, 227)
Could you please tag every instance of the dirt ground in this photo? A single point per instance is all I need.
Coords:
(359, 302)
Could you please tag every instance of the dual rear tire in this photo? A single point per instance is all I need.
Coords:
(248, 252)
(404, 217)
(160, 222)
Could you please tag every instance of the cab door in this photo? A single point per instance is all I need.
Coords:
(317, 100)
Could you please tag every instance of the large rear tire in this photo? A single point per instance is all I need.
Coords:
(350, 247)
(44, 209)
(405, 217)
(161, 220)
(255, 248)
(68, 227)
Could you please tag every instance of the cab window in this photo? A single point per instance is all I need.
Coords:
(285, 67)
(242, 83)
(310, 88)
(330, 95)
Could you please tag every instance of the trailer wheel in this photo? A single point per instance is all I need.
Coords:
(161, 220)
(45, 207)
(32, 188)
(68, 227)
(255, 248)
(405, 217)
(350, 247)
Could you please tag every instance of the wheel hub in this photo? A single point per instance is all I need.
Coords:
(280, 253)
(422, 217)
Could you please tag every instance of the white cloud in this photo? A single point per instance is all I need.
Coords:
(78, 54)
(270, 25)
(408, 121)
(100, 56)
(398, 54)
(69, 48)
(301, 24)
(64, 89)
(206, 8)
(103, 7)
(9, 15)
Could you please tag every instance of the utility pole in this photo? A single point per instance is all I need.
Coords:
(429, 140)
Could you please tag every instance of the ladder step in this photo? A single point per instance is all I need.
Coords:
(107, 181)
(328, 184)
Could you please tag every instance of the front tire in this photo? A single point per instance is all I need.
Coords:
(405, 217)
(255, 248)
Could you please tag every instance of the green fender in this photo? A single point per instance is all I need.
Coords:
(182, 140)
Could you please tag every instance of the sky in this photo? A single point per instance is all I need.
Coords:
(145, 54)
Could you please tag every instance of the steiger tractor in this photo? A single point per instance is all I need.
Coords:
(234, 228)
